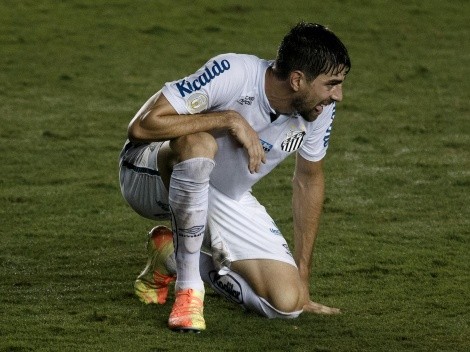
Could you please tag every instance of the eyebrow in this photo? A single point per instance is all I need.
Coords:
(334, 81)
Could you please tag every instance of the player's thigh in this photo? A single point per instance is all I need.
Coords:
(245, 239)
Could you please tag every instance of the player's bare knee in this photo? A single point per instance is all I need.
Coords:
(282, 308)
(196, 145)
(290, 300)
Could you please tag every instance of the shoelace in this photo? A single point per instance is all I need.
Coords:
(186, 303)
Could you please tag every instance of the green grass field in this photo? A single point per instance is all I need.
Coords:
(393, 250)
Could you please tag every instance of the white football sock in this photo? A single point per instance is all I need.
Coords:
(234, 287)
(188, 197)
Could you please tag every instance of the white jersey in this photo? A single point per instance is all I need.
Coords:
(237, 82)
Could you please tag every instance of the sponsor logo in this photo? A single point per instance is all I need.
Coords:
(227, 286)
(246, 100)
(293, 141)
(266, 146)
(188, 87)
(197, 102)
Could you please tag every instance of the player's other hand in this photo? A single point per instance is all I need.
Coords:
(317, 308)
(241, 130)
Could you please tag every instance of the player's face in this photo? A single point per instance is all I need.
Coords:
(322, 91)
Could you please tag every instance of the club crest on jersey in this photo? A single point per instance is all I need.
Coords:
(293, 141)
(187, 87)
(197, 102)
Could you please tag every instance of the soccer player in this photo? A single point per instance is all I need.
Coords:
(194, 151)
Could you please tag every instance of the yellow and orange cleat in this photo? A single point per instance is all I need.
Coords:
(152, 284)
(187, 312)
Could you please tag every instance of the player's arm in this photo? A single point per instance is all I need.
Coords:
(161, 122)
(307, 203)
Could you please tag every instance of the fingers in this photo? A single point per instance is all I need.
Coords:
(256, 156)
(249, 139)
(317, 308)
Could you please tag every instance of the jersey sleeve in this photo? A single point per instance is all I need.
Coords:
(315, 146)
(210, 88)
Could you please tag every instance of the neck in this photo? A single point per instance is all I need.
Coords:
(278, 93)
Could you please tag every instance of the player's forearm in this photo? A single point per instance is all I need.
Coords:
(308, 195)
(153, 127)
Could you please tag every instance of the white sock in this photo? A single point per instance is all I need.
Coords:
(188, 197)
(234, 287)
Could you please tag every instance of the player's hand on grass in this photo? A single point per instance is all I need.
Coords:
(317, 308)
(310, 306)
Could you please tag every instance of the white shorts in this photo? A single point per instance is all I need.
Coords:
(236, 229)
(141, 184)
(242, 229)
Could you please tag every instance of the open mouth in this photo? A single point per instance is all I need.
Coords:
(319, 109)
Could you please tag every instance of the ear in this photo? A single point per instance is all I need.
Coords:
(296, 79)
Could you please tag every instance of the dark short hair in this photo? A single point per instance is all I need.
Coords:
(312, 49)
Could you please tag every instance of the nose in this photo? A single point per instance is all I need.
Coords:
(337, 93)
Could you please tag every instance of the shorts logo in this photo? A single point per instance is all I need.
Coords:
(209, 74)
(197, 102)
(287, 250)
(227, 286)
(293, 141)
(275, 229)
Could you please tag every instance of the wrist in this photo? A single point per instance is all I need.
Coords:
(304, 272)
(231, 119)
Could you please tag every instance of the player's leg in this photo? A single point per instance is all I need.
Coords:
(247, 246)
(186, 164)
(236, 288)
(160, 176)
(143, 189)
(277, 282)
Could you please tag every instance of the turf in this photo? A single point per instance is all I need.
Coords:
(393, 251)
